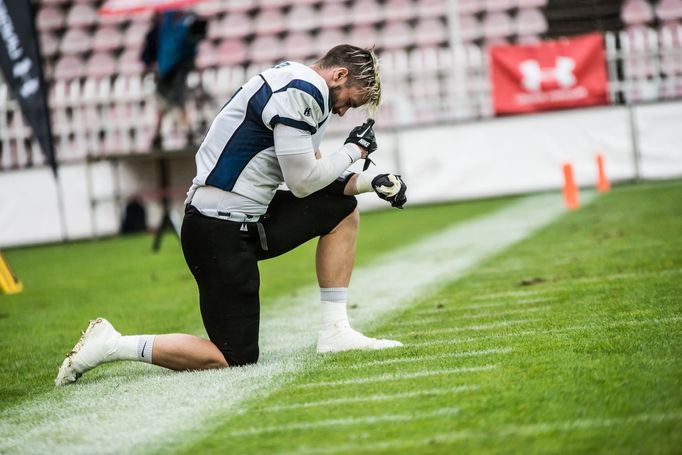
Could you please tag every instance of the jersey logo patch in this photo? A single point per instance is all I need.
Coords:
(307, 112)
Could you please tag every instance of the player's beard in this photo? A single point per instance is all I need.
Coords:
(334, 96)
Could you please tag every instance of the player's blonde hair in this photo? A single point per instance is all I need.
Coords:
(363, 70)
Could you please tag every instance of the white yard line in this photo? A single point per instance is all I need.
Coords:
(387, 377)
(374, 397)
(421, 358)
(132, 407)
(502, 432)
(365, 420)
(528, 333)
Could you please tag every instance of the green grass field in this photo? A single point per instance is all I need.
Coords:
(568, 341)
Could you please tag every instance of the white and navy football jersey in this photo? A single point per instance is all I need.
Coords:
(238, 154)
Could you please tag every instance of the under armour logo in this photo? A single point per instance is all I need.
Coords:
(307, 112)
(561, 74)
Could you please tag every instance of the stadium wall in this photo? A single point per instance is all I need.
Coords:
(440, 163)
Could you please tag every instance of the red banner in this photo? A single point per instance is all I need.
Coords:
(549, 75)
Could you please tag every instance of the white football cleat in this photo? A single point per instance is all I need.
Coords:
(94, 347)
(341, 337)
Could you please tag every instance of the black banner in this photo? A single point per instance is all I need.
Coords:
(22, 69)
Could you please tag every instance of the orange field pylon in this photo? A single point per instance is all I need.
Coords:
(570, 188)
(603, 184)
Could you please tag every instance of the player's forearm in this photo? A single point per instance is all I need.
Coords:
(304, 174)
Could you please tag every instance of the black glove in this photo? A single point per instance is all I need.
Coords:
(384, 187)
(363, 136)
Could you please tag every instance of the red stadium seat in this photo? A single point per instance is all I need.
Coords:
(298, 46)
(430, 32)
(134, 35)
(142, 16)
(333, 15)
(81, 15)
(129, 63)
(302, 18)
(207, 55)
(68, 67)
(270, 22)
(49, 44)
(669, 10)
(499, 5)
(49, 18)
(431, 8)
(397, 35)
(399, 10)
(365, 12)
(231, 52)
(100, 65)
(469, 29)
(106, 39)
(327, 39)
(75, 41)
(265, 49)
(365, 36)
(530, 22)
(236, 25)
(636, 12)
(496, 26)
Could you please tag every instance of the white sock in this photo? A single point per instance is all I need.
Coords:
(333, 307)
(135, 347)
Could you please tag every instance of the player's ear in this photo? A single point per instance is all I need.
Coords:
(340, 75)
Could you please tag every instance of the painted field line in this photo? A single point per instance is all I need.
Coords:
(526, 333)
(468, 328)
(501, 432)
(421, 358)
(487, 314)
(367, 420)
(387, 377)
(374, 397)
(123, 398)
(453, 309)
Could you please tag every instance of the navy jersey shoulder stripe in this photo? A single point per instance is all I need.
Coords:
(306, 87)
(250, 137)
(292, 123)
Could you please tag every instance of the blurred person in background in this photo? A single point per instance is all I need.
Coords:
(170, 49)
(267, 134)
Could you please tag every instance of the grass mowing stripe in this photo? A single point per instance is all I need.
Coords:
(124, 398)
(421, 358)
(374, 397)
(487, 314)
(502, 432)
(607, 325)
(367, 420)
(443, 310)
(473, 328)
(386, 377)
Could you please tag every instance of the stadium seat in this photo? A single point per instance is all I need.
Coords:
(134, 35)
(142, 16)
(636, 12)
(430, 32)
(209, 8)
(499, 5)
(397, 35)
(129, 63)
(669, 10)
(231, 52)
(466, 7)
(431, 8)
(236, 25)
(496, 26)
(469, 29)
(100, 65)
(49, 44)
(302, 18)
(270, 22)
(366, 12)
(207, 55)
(530, 22)
(81, 15)
(265, 49)
(273, 4)
(522, 4)
(298, 46)
(240, 6)
(49, 19)
(528, 39)
(333, 15)
(365, 36)
(112, 19)
(68, 67)
(670, 38)
(75, 41)
(327, 39)
(106, 39)
(399, 10)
